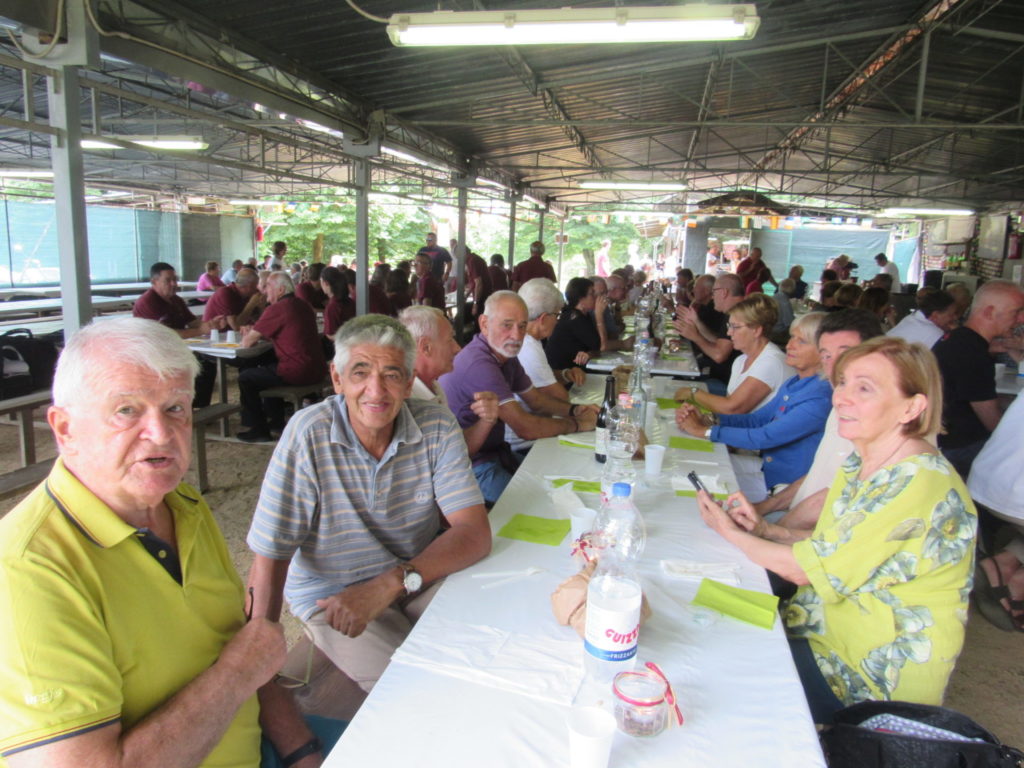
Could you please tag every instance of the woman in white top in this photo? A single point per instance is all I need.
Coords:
(759, 371)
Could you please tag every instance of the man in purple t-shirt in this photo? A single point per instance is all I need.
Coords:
(488, 364)
(163, 304)
(290, 323)
(440, 259)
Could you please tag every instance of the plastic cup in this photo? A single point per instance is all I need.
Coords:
(654, 457)
(214, 335)
(582, 520)
(232, 337)
(591, 731)
(1000, 370)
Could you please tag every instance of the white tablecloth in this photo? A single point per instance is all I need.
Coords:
(685, 367)
(488, 673)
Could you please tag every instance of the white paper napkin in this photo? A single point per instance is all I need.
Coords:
(712, 482)
(546, 669)
(692, 570)
(564, 499)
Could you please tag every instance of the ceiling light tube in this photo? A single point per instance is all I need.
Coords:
(168, 142)
(25, 173)
(564, 26)
(927, 212)
(645, 186)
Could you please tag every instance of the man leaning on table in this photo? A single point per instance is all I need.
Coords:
(347, 520)
(489, 363)
(126, 641)
(235, 301)
(163, 304)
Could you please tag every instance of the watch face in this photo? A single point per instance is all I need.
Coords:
(412, 582)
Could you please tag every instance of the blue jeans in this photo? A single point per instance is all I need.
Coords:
(325, 729)
(492, 478)
(822, 702)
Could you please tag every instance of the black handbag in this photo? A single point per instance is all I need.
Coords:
(848, 744)
(40, 353)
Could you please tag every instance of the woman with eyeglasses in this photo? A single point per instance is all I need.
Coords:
(786, 430)
(758, 372)
(579, 332)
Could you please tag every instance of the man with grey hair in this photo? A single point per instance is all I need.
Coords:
(232, 301)
(436, 348)
(535, 266)
(126, 639)
(489, 364)
(970, 407)
(347, 521)
(290, 323)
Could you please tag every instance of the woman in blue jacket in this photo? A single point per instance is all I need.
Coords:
(788, 429)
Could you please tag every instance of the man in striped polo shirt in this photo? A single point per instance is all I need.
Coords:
(347, 520)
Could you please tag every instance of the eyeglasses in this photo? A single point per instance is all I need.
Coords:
(737, 326)
(716, 290)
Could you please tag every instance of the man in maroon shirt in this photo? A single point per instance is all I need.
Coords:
(535, 266)
(498, 273)
(429, 291)
(232, 301)
(479, 283)
(309, 290)
(290, 323)
(162, 303)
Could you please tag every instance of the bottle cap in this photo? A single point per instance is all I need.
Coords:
(620, 489)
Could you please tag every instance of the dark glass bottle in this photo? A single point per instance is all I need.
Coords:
(601, 429)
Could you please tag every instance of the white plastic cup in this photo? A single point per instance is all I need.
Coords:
(232, 337)
(1000, 370)
(654, 458)
(591, 731)
(214, 336)
(582, 520)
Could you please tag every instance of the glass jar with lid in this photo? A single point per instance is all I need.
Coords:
(641, 708)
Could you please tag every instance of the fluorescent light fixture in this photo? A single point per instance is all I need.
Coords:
(254, 203)
(168, 142)
(490, 183)
(532, 199)
(644, 186)
(401, 154)
(25, 173)
(646, 24)
(98, 144)
(888, 212)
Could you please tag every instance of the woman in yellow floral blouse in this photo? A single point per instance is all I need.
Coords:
(885, 575)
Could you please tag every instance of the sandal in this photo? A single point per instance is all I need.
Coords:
(987, 599)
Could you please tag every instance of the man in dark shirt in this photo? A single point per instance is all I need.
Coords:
(499, 275)
(440, 258)
(232, 301)
(479, 283)
(970, 408)
(429, 291)
(707, 325)
(290, 323)
(162, 303)
(535, 266)
(310, 290)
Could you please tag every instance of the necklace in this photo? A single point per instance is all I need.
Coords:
(884, 461)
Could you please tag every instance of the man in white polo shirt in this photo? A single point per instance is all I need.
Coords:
(347, 521)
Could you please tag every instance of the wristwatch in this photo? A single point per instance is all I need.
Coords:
(411, 579)
(707, 433)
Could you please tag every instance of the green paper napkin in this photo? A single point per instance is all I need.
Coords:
(537, 530)
(580, 486)
(575, 443)
(667, 402)
(691, 444)
(693, 495)
(755, 608)
(674, 356)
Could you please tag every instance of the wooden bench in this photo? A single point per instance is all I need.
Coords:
(200, 419)
(13, 483)
(21, 409)
(297, 393)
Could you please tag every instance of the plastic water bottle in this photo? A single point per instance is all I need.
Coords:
(614, 594)
(623, 440)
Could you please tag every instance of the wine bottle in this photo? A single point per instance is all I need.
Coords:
(601, 429)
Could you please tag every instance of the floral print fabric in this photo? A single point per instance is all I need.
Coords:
(889, 565)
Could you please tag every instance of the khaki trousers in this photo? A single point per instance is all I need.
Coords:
(364, 658)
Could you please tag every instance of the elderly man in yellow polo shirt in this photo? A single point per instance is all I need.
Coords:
(125, 640)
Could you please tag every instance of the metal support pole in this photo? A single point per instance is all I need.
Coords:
(561, 249)
(511, 232)
(63, 94)
(362, 178)
(922, 76)
(540, 228)
(460, 268)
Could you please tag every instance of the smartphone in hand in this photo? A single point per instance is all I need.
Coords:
(695, 482)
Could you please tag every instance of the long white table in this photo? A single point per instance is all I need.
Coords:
(43, 306)
(739, 692)
(685, 366)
